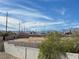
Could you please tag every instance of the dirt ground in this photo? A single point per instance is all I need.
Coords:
(6, 56)
(31, 40)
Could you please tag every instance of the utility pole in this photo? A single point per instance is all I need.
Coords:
(6, 21)
(6, 26)
(24, 29)
(19, 26)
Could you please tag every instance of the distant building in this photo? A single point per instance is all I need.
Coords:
(67, 33)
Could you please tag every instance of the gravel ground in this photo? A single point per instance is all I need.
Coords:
(6, 56)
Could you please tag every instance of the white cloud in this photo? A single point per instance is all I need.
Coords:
(76, 26)
(61, 11)
(9, 29)
(23, 10)
(27, 13)
(3, 0)
(14, 23)
(11, 22)
(52, 0)
(38, 24)
(31, 14)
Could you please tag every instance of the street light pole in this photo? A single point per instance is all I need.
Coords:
(24, 29)
(6, 21)
(19, 26)
(6, 26)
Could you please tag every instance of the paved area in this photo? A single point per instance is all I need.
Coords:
(6, 56)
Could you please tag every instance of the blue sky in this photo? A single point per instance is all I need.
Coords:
(40, 14)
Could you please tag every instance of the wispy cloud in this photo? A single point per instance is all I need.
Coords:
(52, 0)
(27, 13)
(3, 0)
(14, 23)
(60, 11)
(38, 24)
(18, 10)
(11, 22)
(77, 26)
(23, 10)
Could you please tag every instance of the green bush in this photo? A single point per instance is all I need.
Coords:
(71, 44)
(52, 48)
(55, 45)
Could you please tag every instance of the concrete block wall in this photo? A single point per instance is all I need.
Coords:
(28, 52)
(1, 46)
(32, 53)
(21, 52)
(16, 51)
(72, 56)
(1, 39)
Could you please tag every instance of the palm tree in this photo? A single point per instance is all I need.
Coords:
(52, 48)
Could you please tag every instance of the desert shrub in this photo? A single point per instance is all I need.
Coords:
(52, 48)
(55, 45)
(71, 44)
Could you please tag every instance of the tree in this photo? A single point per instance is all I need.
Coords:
(52, 48)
